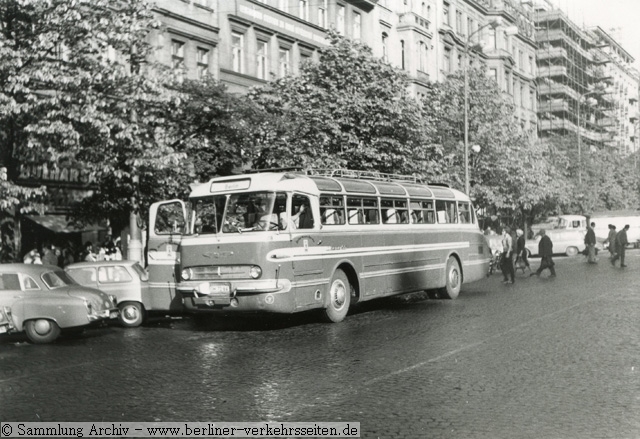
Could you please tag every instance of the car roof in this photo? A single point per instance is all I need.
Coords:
(33, 269)
(101, 263)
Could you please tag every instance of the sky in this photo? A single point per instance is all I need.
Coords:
(619, 18)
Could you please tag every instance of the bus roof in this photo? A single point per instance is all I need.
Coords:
(316, 184)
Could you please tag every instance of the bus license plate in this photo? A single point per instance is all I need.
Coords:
(213, 288)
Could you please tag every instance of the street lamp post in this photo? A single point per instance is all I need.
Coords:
(511, 30)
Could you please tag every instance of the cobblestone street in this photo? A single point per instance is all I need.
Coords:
(546, 357)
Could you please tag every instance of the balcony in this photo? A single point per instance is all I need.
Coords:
(413, 20)
(564, 124)
(606, 122)
(550, 71)
(551, 53)
(555, 106)
(553, 88)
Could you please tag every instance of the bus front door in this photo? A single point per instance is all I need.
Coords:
(167, 224)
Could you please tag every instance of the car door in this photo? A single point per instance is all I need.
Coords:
(11, 301)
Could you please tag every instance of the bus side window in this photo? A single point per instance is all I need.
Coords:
(391, 216)
(446, 212)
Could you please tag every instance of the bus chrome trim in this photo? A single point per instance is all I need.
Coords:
(325, 252)
(369, 274)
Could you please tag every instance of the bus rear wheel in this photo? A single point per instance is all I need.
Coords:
(339, 298)
(453, 280)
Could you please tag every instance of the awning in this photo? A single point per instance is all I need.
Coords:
(60, 224)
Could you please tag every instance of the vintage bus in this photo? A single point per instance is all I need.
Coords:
(285, 242)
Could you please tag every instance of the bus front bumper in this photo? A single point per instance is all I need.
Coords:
(241, 296)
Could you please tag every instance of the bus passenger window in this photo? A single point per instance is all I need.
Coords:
(446, 212)
(331, 210)
(391, 216)
(372, 217)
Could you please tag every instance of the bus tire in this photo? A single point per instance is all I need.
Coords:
(338, 298)
(453, 280)
(40, 331)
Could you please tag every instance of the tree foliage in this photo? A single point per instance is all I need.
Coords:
(348, 109)
(75, 89)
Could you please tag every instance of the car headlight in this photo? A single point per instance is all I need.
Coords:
(186, 274)
(255, 272)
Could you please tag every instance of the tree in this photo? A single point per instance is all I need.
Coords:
(348, 109)
(508, 170)
(75, 91)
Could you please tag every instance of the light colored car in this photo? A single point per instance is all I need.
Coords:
(41, 300)
(126, 280)
(567, 236)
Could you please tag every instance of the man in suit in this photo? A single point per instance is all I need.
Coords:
(621, 246)
(545, 249)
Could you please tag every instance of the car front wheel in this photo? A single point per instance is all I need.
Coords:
(42, 331)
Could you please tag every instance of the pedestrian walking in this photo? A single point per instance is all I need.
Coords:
(522, 260)
(621, 246)
(545, 250)
(590, 243)
(611, 240)
(508, 270)
(49, 256)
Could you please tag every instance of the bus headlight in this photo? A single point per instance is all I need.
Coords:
(187, 274)
(255, 272)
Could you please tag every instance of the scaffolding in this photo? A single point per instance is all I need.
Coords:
(570, 74)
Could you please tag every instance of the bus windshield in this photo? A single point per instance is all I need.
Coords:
(237, 213)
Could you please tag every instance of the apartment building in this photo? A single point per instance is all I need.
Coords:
(572, 77)
(624, 88)
(550, 67)
(245, 43)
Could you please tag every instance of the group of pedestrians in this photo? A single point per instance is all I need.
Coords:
(617, 242)
(514, 254)
(54, 255)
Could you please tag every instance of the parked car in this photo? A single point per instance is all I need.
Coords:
(567, 236)
(41, 300)
(127, 280)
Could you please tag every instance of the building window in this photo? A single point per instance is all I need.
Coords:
(237, 43)
(203, 62)
(459, 28)
(469, 26)
(520, 59)
(340, 19)
(531, 64)
(303, 6)
(505, 41)
(177, 54)
(447, 59)
(262, 59)
(357, 26)
(422, 56)
(284, 61)
(322, 14)
(385, 48)
(493, 43)
(493, 74)
(402, 54)
(445, 13)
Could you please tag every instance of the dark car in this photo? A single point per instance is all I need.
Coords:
(42, 299)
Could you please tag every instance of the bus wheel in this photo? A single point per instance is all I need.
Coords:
(453, 279)
(42, 331)
(339, 298)
(572, 251)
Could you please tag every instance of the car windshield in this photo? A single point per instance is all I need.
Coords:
(57, 279)
(237, 213)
